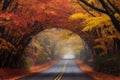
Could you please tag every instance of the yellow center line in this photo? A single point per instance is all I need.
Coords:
(61, 74)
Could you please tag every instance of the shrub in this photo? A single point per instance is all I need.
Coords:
(108, 64)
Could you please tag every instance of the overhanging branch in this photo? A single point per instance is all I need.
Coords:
(93, 7)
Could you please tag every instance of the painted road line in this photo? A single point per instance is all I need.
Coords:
(61, 74)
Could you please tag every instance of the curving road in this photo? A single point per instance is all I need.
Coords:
(64, 70)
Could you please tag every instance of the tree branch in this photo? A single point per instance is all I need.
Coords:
(86, 9)
(114, 7)
(6, 4)
(106, 7)
(93, 7)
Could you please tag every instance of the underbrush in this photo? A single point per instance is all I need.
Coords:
(109, 64)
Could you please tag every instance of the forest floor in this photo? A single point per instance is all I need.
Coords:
(12, 74)
(96, 75)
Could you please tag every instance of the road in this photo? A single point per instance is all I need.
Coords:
(64, 70)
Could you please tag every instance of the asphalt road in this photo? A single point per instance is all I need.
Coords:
(64, 70)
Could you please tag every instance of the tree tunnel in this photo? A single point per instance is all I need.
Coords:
(18, 45)
(95, 21)
(56, 43)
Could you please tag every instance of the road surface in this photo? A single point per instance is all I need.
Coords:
(64, 70)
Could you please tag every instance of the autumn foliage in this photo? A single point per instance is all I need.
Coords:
(102, 29)
(96, 21)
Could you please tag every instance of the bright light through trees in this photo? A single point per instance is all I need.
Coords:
(69, 56)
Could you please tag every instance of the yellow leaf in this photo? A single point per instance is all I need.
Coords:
(7, 18)
(77, 16)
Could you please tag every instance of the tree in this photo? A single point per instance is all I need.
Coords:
(9, 5)
(108, 8)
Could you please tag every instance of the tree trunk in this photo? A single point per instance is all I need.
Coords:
(115, 22)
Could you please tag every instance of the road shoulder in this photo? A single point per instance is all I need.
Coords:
(96, 75)
(8, 74)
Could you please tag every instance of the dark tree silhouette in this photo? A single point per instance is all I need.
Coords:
(9, 4)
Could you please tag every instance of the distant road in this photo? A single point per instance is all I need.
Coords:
(64, 70)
